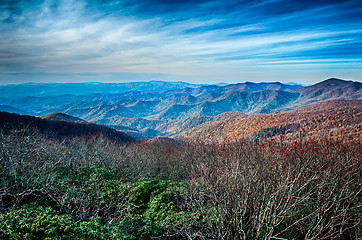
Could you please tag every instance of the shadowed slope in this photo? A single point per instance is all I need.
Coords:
(60, 129)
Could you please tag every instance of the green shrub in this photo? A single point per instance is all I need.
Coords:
(36, 222)
(161, 207)
(104, 205)
(33, 222)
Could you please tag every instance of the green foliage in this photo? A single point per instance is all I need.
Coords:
(90, 191)
(33, 222)
(143, 207)
(36, 222)
(161, 207)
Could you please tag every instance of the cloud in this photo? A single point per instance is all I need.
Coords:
(186, 38)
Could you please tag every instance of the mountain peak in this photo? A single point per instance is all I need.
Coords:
(335, 80)
(62, 117)
(332, 88)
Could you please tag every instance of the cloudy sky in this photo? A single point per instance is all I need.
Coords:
(206, 41)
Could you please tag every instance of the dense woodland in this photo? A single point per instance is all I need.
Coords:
(339, 119)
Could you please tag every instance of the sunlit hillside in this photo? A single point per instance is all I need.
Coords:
(339, 119)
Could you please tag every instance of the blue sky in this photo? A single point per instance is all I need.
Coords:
(196, 41)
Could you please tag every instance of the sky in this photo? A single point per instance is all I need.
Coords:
(198, 41)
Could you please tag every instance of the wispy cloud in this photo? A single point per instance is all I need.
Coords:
(201, 39)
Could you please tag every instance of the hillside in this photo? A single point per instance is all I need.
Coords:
(62, 117)
(334, 118)
(329, 89)
(332, 88)
(59, 129)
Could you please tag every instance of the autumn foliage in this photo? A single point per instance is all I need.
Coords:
(337, 119)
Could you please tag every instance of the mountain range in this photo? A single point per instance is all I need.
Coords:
(167, 109)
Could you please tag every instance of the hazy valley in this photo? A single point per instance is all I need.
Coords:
(168, 109)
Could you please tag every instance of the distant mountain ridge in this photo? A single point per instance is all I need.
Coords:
(332, 88)
(160, 112)
(55, 89)
(11, 109)
(134, 103)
